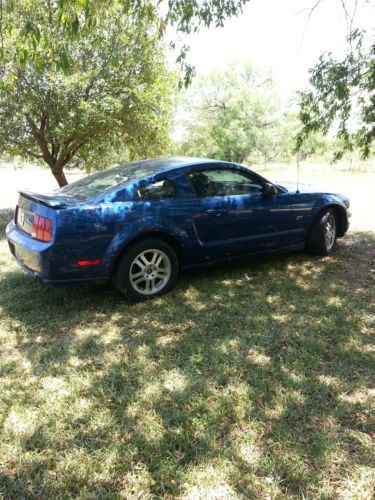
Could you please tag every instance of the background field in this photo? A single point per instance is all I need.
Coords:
(250, 381)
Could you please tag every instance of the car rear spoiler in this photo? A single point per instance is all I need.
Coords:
(51, 200)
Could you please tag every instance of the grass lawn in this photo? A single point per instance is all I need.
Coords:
(251, 381)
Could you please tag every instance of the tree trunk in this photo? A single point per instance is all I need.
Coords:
(60, 177)
(50, 152)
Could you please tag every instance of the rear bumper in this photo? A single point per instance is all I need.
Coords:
(31, 254)
(12, 249)
(41, 260)
(42, 279)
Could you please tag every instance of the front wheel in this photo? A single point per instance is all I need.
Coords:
(147, 269)
(323, 234)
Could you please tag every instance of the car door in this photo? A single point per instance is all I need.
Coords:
(236, 216)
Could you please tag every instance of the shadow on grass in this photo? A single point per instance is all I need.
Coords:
(255, 376)
(6, 215)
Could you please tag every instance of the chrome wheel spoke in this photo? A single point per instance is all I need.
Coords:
(136, 281)
(139, 264)
(158, 260)
(143, 258)
(136, 275)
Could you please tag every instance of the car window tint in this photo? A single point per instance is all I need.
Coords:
(157, 191)
(103, 182)
(224, 182)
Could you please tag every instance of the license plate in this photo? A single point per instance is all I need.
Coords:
(25, 220)
(21, 216)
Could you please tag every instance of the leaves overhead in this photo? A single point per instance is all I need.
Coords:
(342, 98)
(77, 18)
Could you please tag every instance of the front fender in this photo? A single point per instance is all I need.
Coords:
(323, 203)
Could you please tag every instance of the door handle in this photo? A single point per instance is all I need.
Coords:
(217, 211)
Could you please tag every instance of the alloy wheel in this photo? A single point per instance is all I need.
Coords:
(330, 231)
(150, 271)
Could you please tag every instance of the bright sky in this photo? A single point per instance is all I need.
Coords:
(278, 35)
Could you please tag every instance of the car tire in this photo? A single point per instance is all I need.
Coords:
(147, 269)
(323, 233)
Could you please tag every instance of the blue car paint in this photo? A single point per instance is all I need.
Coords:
(206, 230)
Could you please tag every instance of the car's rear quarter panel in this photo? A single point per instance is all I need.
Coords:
(85, 233)
(173, 218)
(103, 231)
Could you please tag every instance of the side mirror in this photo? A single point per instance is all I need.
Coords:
(269, 189)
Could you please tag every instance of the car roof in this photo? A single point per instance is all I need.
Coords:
(158, 165)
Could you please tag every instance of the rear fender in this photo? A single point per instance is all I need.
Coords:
(131, 232)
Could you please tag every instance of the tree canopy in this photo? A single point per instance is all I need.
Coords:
(83, 79)
(82, 97)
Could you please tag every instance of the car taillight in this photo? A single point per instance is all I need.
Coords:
(42, 228)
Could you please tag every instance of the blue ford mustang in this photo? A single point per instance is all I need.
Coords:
(139, 224)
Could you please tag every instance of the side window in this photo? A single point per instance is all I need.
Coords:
(157, 191)
(224, 182)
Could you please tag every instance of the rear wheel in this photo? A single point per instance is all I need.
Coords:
(323, 234)
(147, 269)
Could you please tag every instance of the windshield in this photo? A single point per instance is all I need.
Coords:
(102, 182)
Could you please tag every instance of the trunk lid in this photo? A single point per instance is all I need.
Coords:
(50, 199)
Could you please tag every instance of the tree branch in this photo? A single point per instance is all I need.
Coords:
(27, 151)
(76, 145)
(40, 138)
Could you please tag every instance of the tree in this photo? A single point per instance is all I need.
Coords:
(236, 115)
(342, 98)
(232, 116)
(112, 93)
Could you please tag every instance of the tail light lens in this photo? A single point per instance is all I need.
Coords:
(42, 228)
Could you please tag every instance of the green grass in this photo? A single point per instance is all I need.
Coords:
(251, 381)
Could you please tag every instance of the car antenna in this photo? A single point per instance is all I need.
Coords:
(297, 191)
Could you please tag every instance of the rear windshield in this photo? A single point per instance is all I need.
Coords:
(102, 182)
